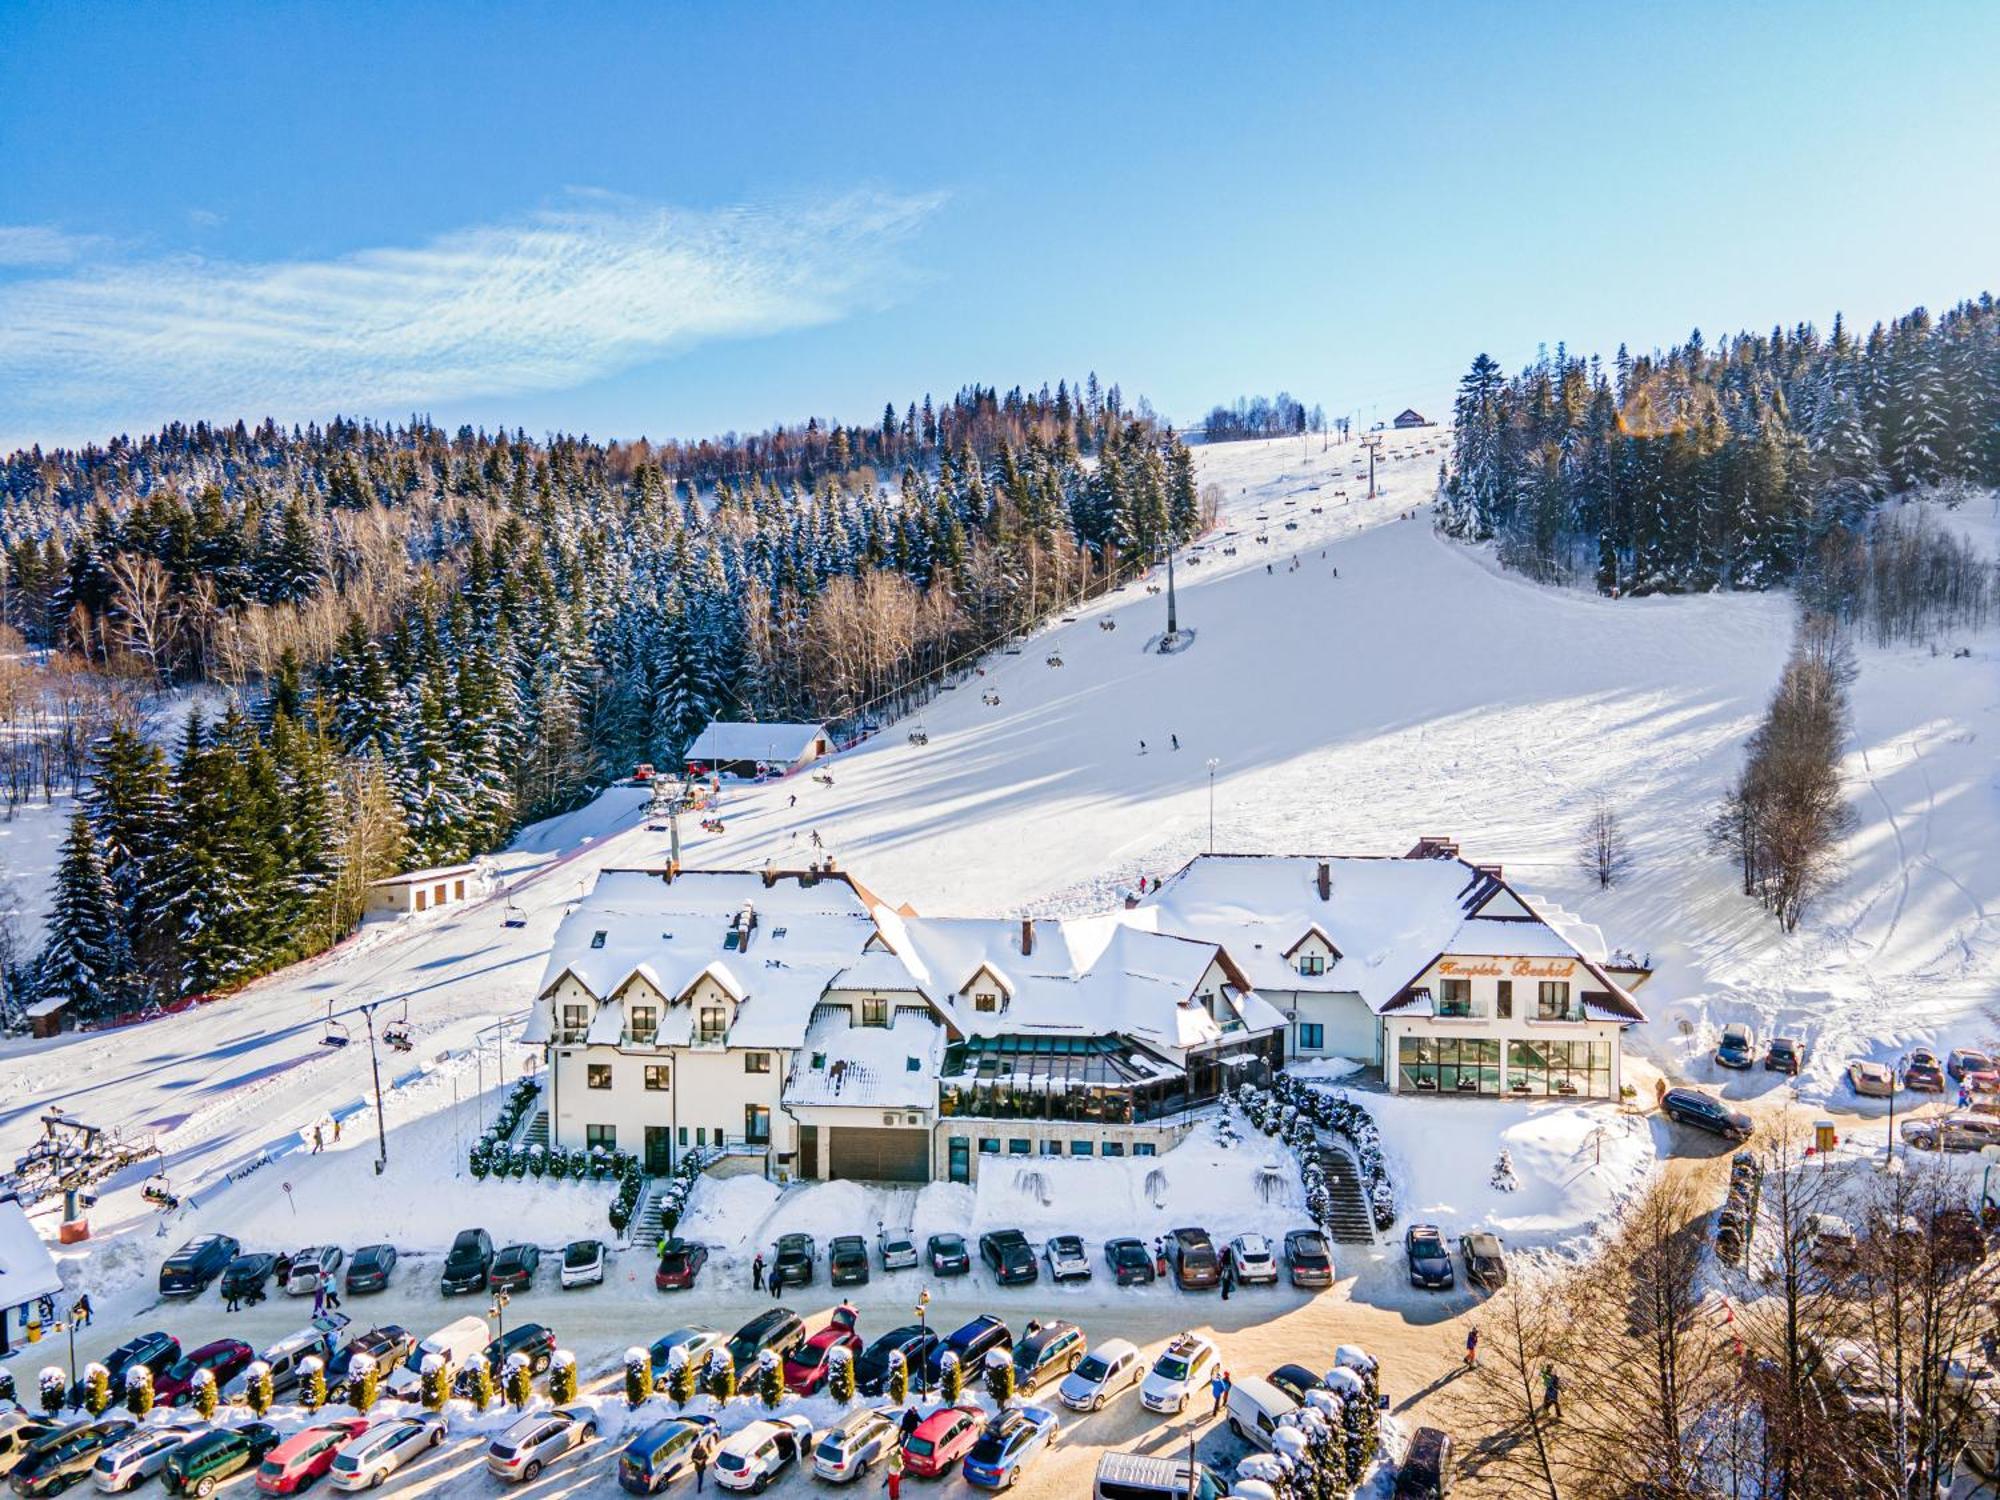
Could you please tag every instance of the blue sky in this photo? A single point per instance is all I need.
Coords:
(673, 220)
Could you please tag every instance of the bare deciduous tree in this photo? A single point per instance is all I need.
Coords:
(1601, 848)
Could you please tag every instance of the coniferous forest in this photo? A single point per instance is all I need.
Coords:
(429, 638)
(1764, 460)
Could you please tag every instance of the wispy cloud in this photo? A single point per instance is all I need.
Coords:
(545, 303)
(42, 245)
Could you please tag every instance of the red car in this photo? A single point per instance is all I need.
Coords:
(941, 1440)
(680, 1263)
(806, 1367)
(225, 1359)
(305, 1456)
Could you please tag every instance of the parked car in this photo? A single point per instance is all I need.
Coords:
(533, 1340)
(454, 1343)
(306, 1455)
(757, 1454)
(582, 1263)
(134, 1459)
(157, 1351)
(514, 1268)
(948, 1255)
(538, 1440)
(860, 1439)
(1485, 1259)
(1010, 1256)
(190, 1269)
(386, 1347)
(1046, 1352)
(792, 1261)
(1922, 1071)
(56, 1460)
(224, 1359)
(778, 1330)
(199, 1465)
(1426, 1470)
(1296, 1381)
(1428, 1260)
(1738, 1046)
(1067, 1259)
(1871, 1080)
(1006, 1444)
(1256, 1407)
(1958, 1237)
(1831, 1241)
(807, 1366)
(898, 1249)
(940, 1440)
(1966, 1132)
(244, 1277)
(467, 1263)
(1110, 1367)
(1251, 1260)
(1180, 1369)
(1130, 1261)
(680, 1264)
(282, 1358)
(1786, 1054)
(1193, 1255)
(371, 1268)
(310, 1265)
(847, 1260)
(1703, 1112)
(18, 1433)
(971, 1342)
(383, 1449)
(913, 1341)
(1308, 1258)
(1973, 1068)
(698, 1343)
(662, 1453)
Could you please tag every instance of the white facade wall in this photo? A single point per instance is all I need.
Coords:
(1484, 977)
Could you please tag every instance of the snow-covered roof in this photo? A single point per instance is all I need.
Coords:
(674, 933)
(868, 1066)
(877, 972)
(27, 1270)
(779, 744)
(48, 1005)
(436, 872)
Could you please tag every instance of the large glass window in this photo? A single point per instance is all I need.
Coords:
(1448, 1065)
(1312, 964)
(712, 1023)
(1569, 1069)
(656, 1077)
(874, 1011)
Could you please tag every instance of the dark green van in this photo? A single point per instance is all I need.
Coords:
(197, 1467)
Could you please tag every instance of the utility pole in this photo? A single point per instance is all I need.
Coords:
(1173, 625)
(375, 1062)
(1373, 443)
(1212, 764)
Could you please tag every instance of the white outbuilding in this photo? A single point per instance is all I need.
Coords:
(422, 890)
(735, 749)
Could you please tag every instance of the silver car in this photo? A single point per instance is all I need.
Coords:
(538, 1440)
(136, 1459)
(383, 1449)
(862, 1437)
(1967, 1132)
(310, 1264)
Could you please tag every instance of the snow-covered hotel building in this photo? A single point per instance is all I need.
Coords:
(801, 1024)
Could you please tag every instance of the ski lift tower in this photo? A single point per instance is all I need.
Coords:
(1172, 638)
(1373, 443)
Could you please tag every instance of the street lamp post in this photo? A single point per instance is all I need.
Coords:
(499, 1311)
(1212, 764)
(375, 1062)
(923, 1339)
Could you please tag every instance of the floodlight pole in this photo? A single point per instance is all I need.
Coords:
(1212, 764)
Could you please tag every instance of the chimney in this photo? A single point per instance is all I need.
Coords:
(1027, 936)
(1492, 870)
(1325, 881)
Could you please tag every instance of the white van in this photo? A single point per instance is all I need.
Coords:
(455, 1343)
(1141, 1476)
(1254, 1409)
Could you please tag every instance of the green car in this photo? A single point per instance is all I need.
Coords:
(197, 1467)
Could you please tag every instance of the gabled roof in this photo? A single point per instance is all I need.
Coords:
(779, 744)
(1314, 930)
(992, 970)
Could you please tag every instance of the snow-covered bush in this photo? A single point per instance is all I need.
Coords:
(312, 1382)
(138, 1390)
(896, 1386)
(770, 1379)
(257, 1392)
(435, 1377)
(205, 1393)
(7, 1392)
(518, 1380)
(1000, 1376)
(364, 1381)
(478, 1382)
(1503, 1179)
(840, 1375)
(721, 1381)
(562, 1378)
(96, 1388)
(638, 1375)
(54, 1387)
(682, 1378)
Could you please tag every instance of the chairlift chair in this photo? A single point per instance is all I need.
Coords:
(397, 1032)
(513, 916)
(335, 1034)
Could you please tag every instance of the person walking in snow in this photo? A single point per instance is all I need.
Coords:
(1552, 1392)
(1218, 1390)
(231, 1302)
(331, 1290)
(757, 1273)
(1176, 739)
(336, 1130)
(1228, 1280)
(1159, 1245)
(319, 1142)
(702, 1454)
(319, 1299)
(894, 1477)
(794, 802)
(1142, 747)
(1472, 1348)
(281, 1269)
(80, 1314)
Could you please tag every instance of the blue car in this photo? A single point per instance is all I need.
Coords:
(1009, 1441)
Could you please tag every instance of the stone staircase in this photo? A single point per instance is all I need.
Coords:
(646, 1227)
(1351, 1222)
(536, 1131)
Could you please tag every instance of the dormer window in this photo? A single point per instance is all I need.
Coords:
(985, 1001)
(645, 1021)
(1312, 965)
(597, 939)
(714, 1022)
(874, 1011)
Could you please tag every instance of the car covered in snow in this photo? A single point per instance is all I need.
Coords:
(861, 1438)
(1786, 1054)
(224, 1359)
(307, 1455)
(371, 1268)
(467, 1262)
(1974, 1069)
(1964, 1132)
(1428, 1259)
(898, 1249)
(1181, 1369)
(1308, 1258)
(582, 1263)
(948, 1255)
(1109, 1368)
(1010, 1257)
(695, 1343)
(1046, 1351)
(940, 1440)
(1130, 1261)
(245, 1277)
(1067, 1259)
(757, 1454)
(1704, 1112)
(847, 1260)
(1738, 1047)
(1485, 1258)
(664, 1452)
(383, 1449)
(1193, 1255)
(1251, 1260)
(538, 1440)
(971, 1342)
(680, 1263)
(913, 1341)
(312, 1264)
(792, 1261)
(1871, 1080)
(1923, 1072)
(133, 1460)
(190, 1269)
(514, 1268)
(1831, 1241)
(778, 1331)
(1007, 1443)
(807, 1366)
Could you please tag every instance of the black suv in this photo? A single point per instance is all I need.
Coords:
(847, 1260)
(913, 1341)
(1428, 1259)
(1692, 1107)
(1010, 1255)
(514, 1268)
(56, 1460)
(971, 1343)
(778, 1330)
(190, 1269)
(370, 1268)
(468, 1264)
(792, 1265)
(245, 1276)
(157, 1351)
(532, 1341)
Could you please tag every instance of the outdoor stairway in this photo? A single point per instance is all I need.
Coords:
(1352, 1223)
(537, 1133)
(646, 1227)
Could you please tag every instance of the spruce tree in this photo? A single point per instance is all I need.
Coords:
(85, 962)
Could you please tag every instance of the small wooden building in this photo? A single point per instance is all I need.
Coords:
(735, 749)
(1409, 416)
(420, 890)
(45, 1017)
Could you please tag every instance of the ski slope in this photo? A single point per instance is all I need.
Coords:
(1390, 684)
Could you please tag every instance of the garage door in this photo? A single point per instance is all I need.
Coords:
(879, 1155)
